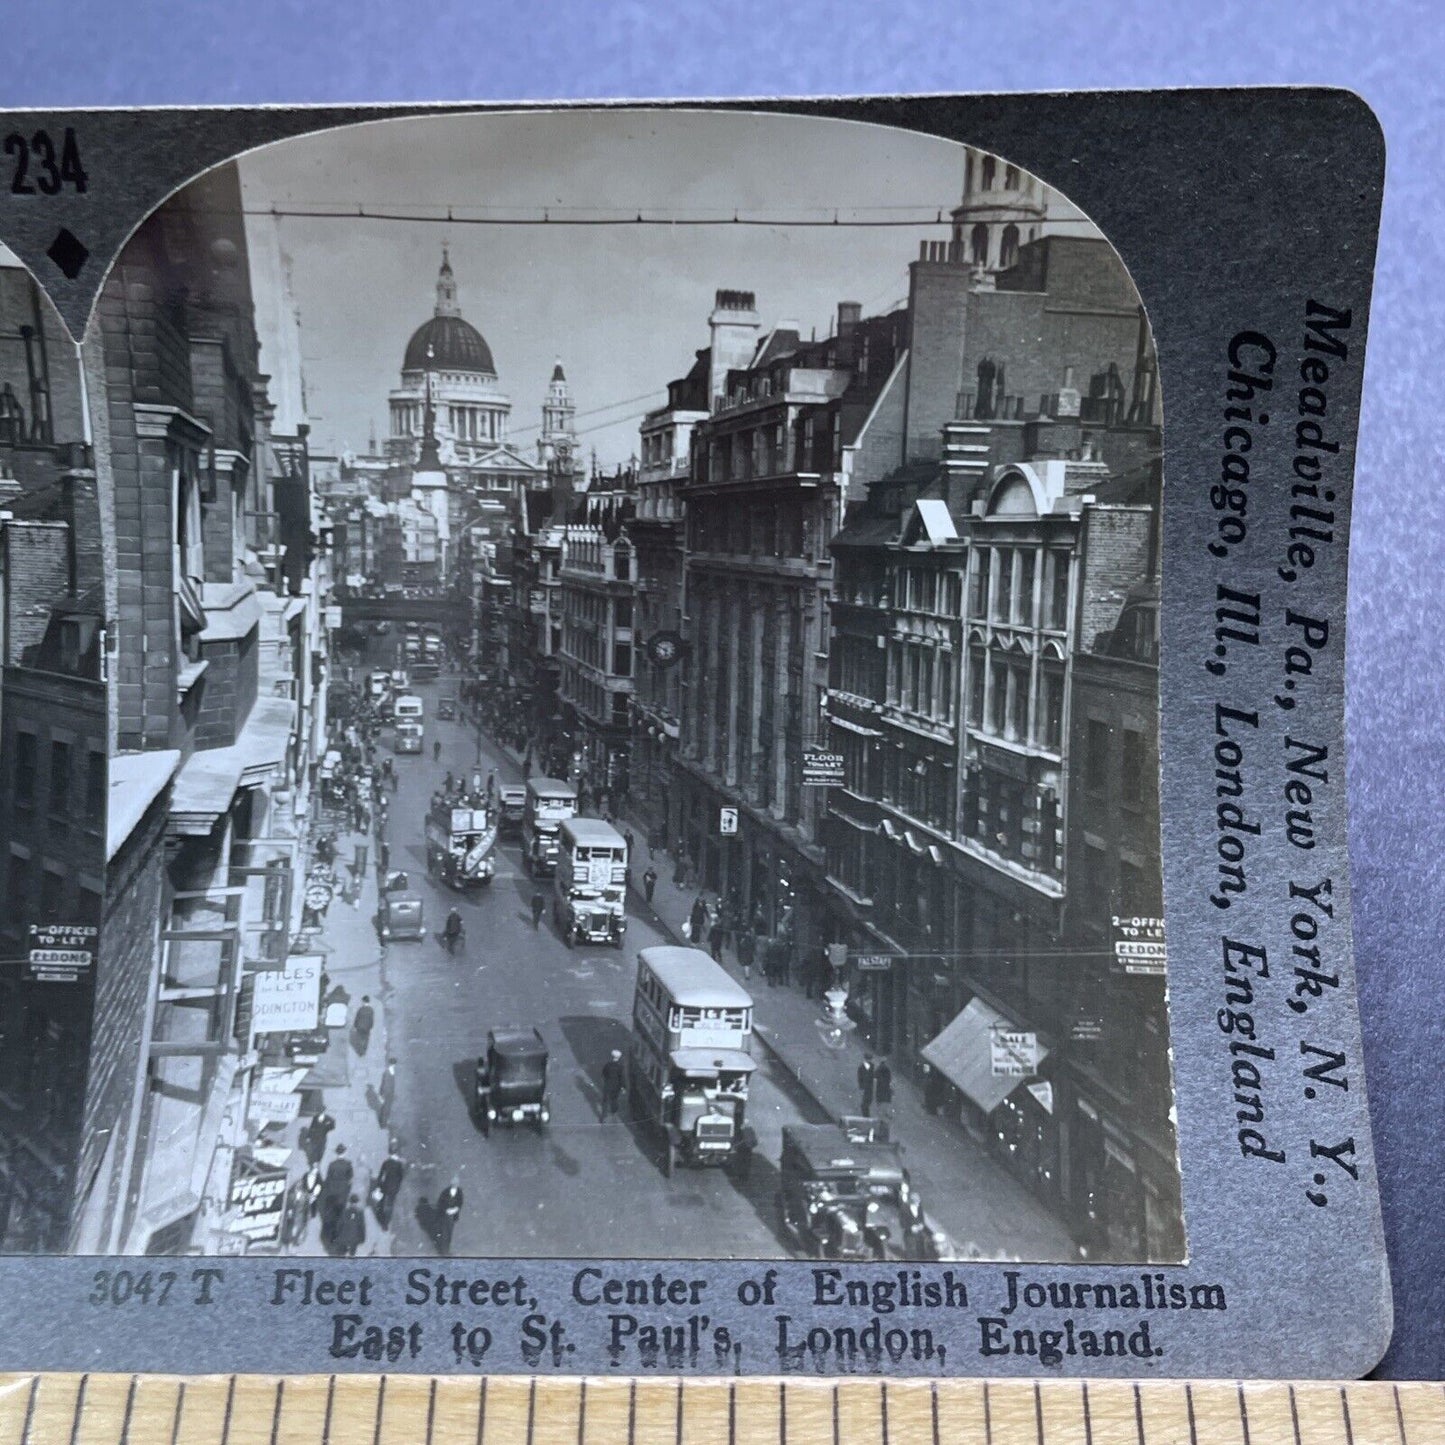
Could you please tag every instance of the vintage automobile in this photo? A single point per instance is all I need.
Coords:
(512, 807)
(511, 1080)
(447, 706)
(401, 914)
(846, 1195)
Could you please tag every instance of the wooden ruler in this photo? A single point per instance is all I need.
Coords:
(417, 1410)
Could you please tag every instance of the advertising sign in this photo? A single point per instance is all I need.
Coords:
(289, 1000)
(1013, 1053)
(821, 768)
(1139, 945)
(60, 952)
(258, 1197)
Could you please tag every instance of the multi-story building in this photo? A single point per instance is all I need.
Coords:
(220, 696)
(982, 564)
(598, 581)
(656, 530)
(772, 469)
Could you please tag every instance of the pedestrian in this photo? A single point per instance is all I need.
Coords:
(652, 841)
(746, 946)
(716, 937)
(335, 1190)
(883, 1091)
(649, 882)
(452, 931)
(310, 1189)
(867, 1083)
(492, 783)
(387, 1186)
(362, 1025)
(350, 1232)
(449, 1210)
(697, 920)
(447, 783)
(679, 872)
(539, 906)
(631, 845)
(383, 856)
(380, 830)
(436, 750)
(613, 1076)
(316, 1136)
(386, 1093)
(358, 863)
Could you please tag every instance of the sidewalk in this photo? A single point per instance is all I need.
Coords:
(352, 961)
(986, 1212)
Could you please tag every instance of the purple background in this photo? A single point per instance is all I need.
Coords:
(144, 53)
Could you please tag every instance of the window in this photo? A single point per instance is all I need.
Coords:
(1132, 764)
(1008, 250)
(623, 612)
(25, 751)
(1096, 757)
(1056, 590)
(60, 778)
(19, 902)
(978, 601)
(1010, 178)
(52, 896)
(1018, 701)
(978, 245)
(943, 700)
(998, 695)
(1051, 704)
(1004, 593)
(95, 790)
(1024, 598)
(977, 681)
(989, 169)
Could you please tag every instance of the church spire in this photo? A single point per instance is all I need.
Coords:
(447, 287)
(558, 438)
(430, 459)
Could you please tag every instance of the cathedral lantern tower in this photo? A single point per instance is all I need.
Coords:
(1003, 208)
(558, 439)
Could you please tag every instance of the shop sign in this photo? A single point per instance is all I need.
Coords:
(1087, 1029)
(727, 821)
(873, 962)
(1013, 1053)
(258, 1198)
(1139, 945)
(822, 769)
(288, 1001)
(1043, 1091)
(273, 1109)
(333, 617)
(60, 952)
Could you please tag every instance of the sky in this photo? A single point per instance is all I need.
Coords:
(623, 306)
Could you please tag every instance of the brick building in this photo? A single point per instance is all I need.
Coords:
(220, 705)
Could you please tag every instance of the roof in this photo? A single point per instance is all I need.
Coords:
(691, 976)
(593, 830)
(551, 788)
(937, 522)
(826, 1146)
(516, 1041)
(136, 781)
(712, 1061)
(448, 343)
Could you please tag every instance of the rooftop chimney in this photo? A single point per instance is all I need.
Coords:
(734, 328)
(850, 313)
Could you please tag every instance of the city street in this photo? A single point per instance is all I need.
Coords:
(577, 1186)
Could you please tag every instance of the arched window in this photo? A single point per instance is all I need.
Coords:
(968, 173)
(1010, 178)
(978, 245)
(989, 167)
(1008, 251)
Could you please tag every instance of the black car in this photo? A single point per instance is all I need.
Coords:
(511, 1080)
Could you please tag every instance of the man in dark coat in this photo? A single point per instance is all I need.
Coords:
(883, 1090)
(649, 882)
(350, 1229)
(867, 1083)
(539, 907)
(747, 949)
(388, 1186)
(317, 1135)
(334, 1193)
(449, 1210)
(716, 937)
(697, 921)
(613, 1077)
(362, 1025)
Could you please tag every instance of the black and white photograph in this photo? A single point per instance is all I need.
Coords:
(585, 684)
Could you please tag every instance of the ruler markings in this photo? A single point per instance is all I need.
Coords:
(88, 1409)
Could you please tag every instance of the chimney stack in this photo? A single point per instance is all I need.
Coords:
(734, 328)
(850, 313)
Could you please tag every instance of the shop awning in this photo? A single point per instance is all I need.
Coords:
(964, 1054)
(849, 726)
